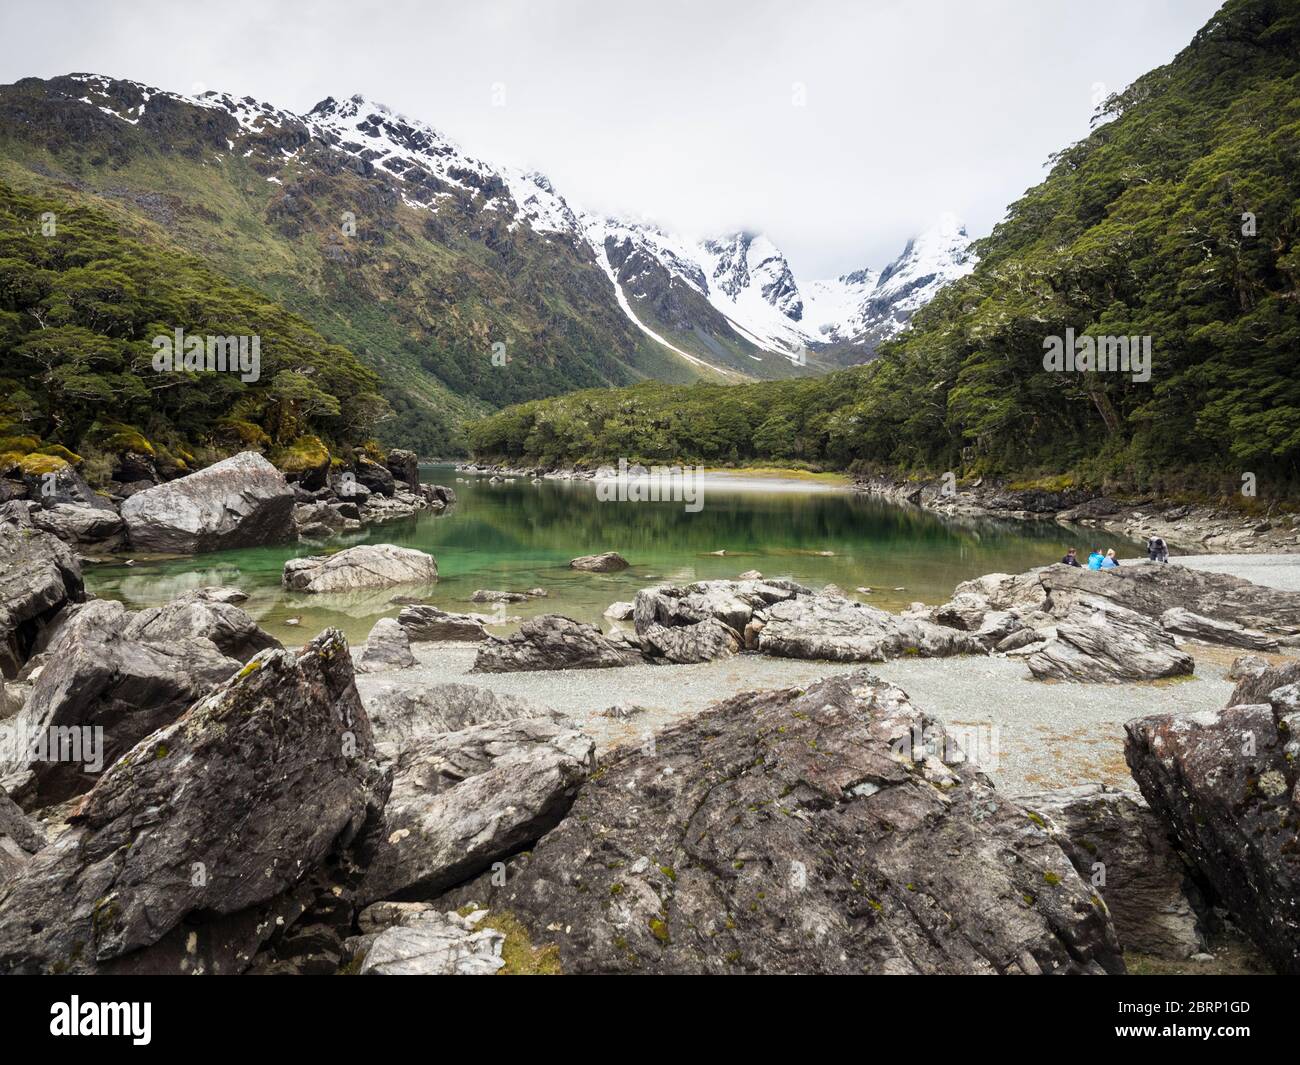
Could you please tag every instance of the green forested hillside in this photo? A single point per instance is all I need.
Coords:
(1176, 218)
(419, 296)
(79, 307)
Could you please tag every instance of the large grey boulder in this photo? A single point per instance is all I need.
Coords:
(551, 641)
(1225, 783)
(197, 846)
(1119, 846)
(204, 613)
(404, 466)
(242, 501)
(462, 800)
(424, 623)
(387, 647)
(404, 714)
(20, 838)
(435, 944)
(805, 832)
(1213, 607)
(702, 641)
(1150, 589)
(79, 524)
(713, 619)
(38, 576)
(367, 566)
(829, 627)
(1097, 641)
(1179, 620)
(99, 695)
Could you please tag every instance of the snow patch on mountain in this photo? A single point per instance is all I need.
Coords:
(743, 276)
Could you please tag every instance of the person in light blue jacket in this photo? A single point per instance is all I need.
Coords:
(1096, 558)
(1110, 561)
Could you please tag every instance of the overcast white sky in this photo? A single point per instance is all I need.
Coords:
(682, 112)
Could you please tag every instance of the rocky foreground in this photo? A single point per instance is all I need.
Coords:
(180, 794)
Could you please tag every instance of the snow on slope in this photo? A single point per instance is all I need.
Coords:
(743, 276)
(747, 279)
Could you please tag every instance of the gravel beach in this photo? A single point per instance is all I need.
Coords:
(1028, 734)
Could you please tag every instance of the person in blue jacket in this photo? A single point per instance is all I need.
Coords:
(1110, 561)
(1096, 558)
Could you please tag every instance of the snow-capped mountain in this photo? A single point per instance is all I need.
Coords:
(730, 303)
(746, 279)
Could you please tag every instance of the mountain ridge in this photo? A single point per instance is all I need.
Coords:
(448, 256)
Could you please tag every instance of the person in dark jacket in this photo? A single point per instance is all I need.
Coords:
(1071, 559)
(1157, 549)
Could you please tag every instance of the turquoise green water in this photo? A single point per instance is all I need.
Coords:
(518, 535)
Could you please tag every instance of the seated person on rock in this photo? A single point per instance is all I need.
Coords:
(1071, 558)
(1110, 561)
(1095, 559)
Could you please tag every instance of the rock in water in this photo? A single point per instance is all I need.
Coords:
(609, 562)
(1225, 782)
(796, 832)
(387, 647)
(551, 641)
(1112, 834)
(463, 800)
(242, 501)
(1098, 641)
(435, 944)
(425, 623)
(186, 852)
(366, 566)
(38, 575)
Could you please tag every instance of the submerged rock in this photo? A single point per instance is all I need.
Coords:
(805, 831)
(609, 562)
(365, 566)
(551, 641)
(190, 851)
(242, 501)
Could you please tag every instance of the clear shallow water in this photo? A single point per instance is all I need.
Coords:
(518, 535)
